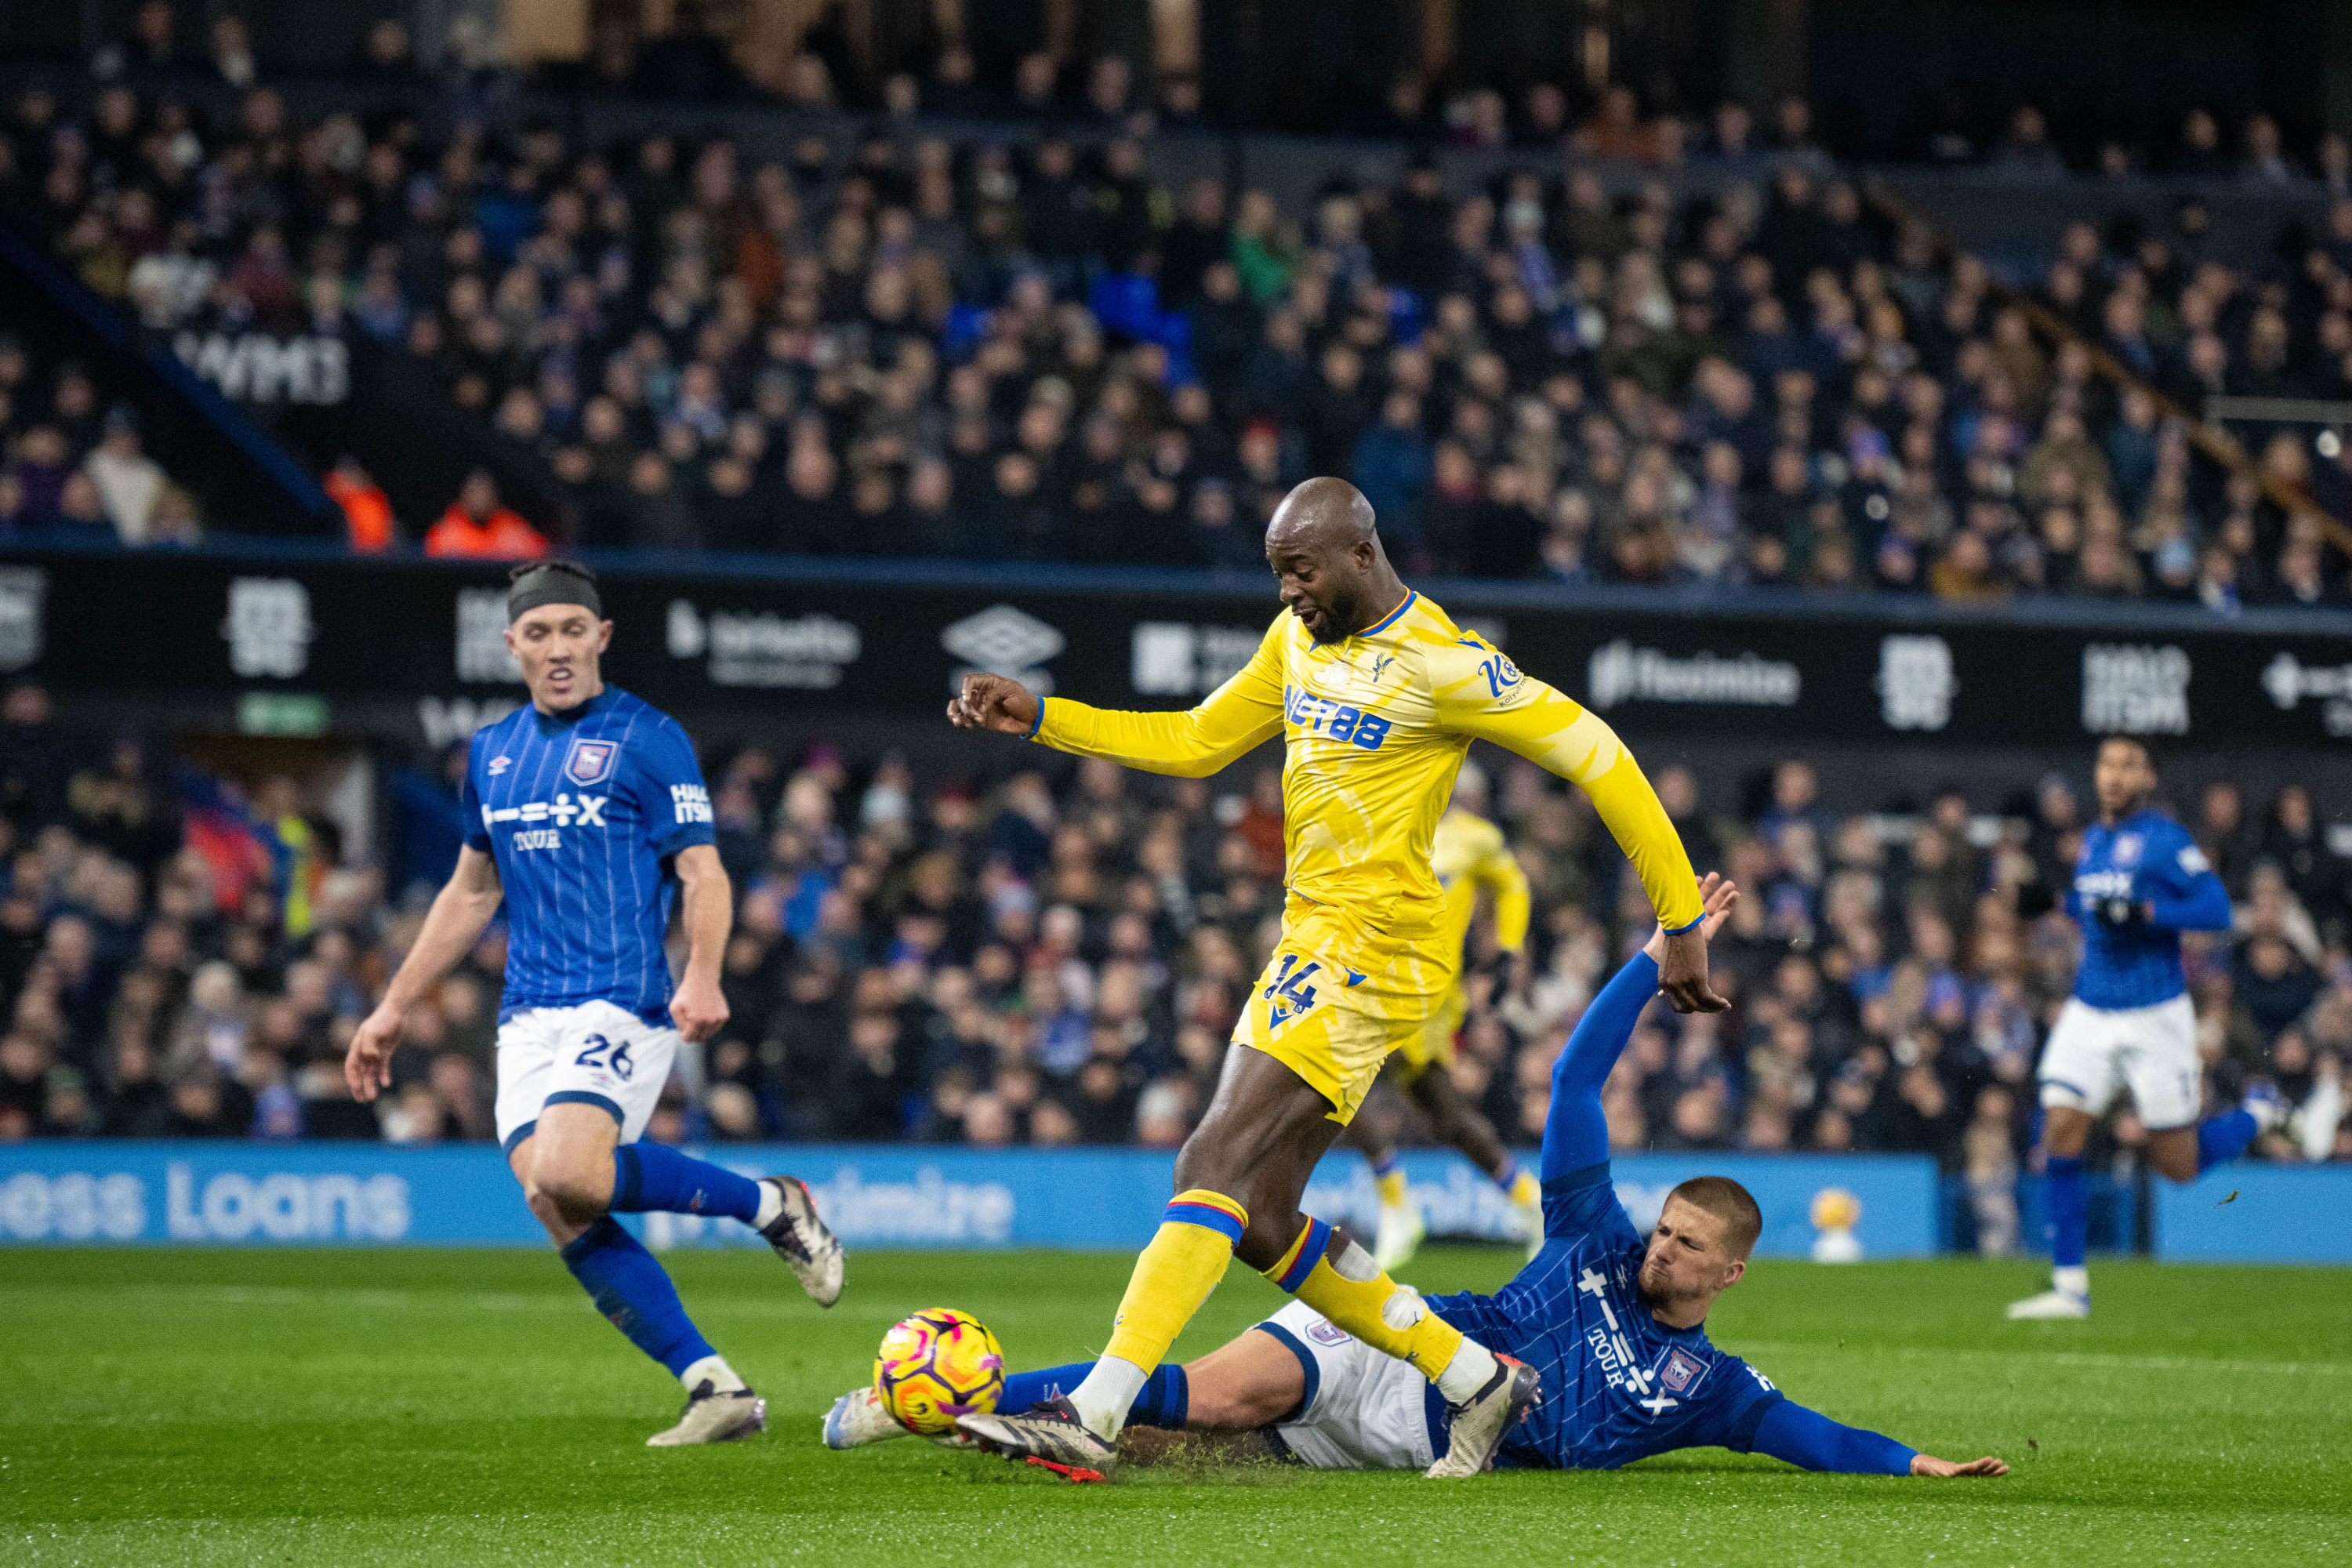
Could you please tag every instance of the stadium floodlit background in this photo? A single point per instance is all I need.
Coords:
(1863, 408)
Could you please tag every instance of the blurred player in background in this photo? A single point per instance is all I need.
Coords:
(1378, 694)
(2139, 881)
(1616, 1328)
(586, 815)
(1469, 855)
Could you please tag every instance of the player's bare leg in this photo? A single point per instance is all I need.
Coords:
(566, 1168)
(1245, 1169)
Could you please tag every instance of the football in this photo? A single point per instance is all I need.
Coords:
(936, 1365)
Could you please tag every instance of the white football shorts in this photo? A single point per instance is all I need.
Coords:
(2152, 1051)
(1364, 1410)
(595, 1054)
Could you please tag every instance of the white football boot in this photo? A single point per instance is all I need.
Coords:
(2314, 1125)
(1531, 1221)
(1400, 1236)
(711, 1416)
(1480, 1423)
(813, 1252)
(858, 1418)
(2051, 1303)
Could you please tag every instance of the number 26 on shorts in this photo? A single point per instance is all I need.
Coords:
(594, 1056)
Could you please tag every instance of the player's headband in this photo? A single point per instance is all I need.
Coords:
(551, 585)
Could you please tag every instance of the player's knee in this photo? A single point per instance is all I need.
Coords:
(1203, 1162)
(567, 1190)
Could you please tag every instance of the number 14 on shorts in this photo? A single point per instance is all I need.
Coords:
(1288, 991)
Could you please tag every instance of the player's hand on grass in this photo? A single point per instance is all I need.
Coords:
(698, 1009)
(1928, 1465)
(994, 702)
(1681, 957)
(367, 1067)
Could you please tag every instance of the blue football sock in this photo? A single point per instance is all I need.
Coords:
(655, 1176)
(1165, 1398)
(1508, 1175)
(633, 1293)
(2067, 1195)
(2224, 1137)
(1385, 1163)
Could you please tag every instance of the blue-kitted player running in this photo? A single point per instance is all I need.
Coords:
(2139, 881)
(1615, 1329)
(586, 815)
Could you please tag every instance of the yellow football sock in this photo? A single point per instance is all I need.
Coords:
(1391, 1186)
(1174, 1275)
(1374, 1308)
(1525, 1189)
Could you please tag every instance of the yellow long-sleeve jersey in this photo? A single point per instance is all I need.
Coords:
(1469, 854)
(1377, 725)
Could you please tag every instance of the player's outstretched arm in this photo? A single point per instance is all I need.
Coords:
(1239, 715)
(1813, 1441)
(1479, 693)
(460, 910)
(697, 1008)
(1576, 1133)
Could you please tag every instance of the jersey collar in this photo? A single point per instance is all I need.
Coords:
(1393, 616)
(551, 724)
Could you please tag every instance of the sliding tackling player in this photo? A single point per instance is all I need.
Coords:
(1617, 1329)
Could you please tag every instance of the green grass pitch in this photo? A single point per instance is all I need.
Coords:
(456, 1407)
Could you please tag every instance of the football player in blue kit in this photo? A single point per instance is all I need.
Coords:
(1615, 1327)
(587, 816)
(2139, 881)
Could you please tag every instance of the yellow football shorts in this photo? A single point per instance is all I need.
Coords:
(1339, 996)
(1433, 1045)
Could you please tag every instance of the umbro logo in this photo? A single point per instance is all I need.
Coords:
(499, 766)
(1003, 640)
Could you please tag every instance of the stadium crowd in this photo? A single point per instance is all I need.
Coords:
(1024, 346)
(1058, 957)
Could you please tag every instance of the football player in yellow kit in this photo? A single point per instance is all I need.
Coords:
(1469, 855)
(1377, 695)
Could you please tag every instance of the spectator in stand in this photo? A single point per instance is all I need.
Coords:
(367, 510)
(557, 312)
(129, 483)
(476, 527)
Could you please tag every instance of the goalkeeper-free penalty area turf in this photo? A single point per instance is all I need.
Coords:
(452, 1408)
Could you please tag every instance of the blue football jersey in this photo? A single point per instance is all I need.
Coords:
(2146, 857)
(583, 814)
(1618, 1385)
